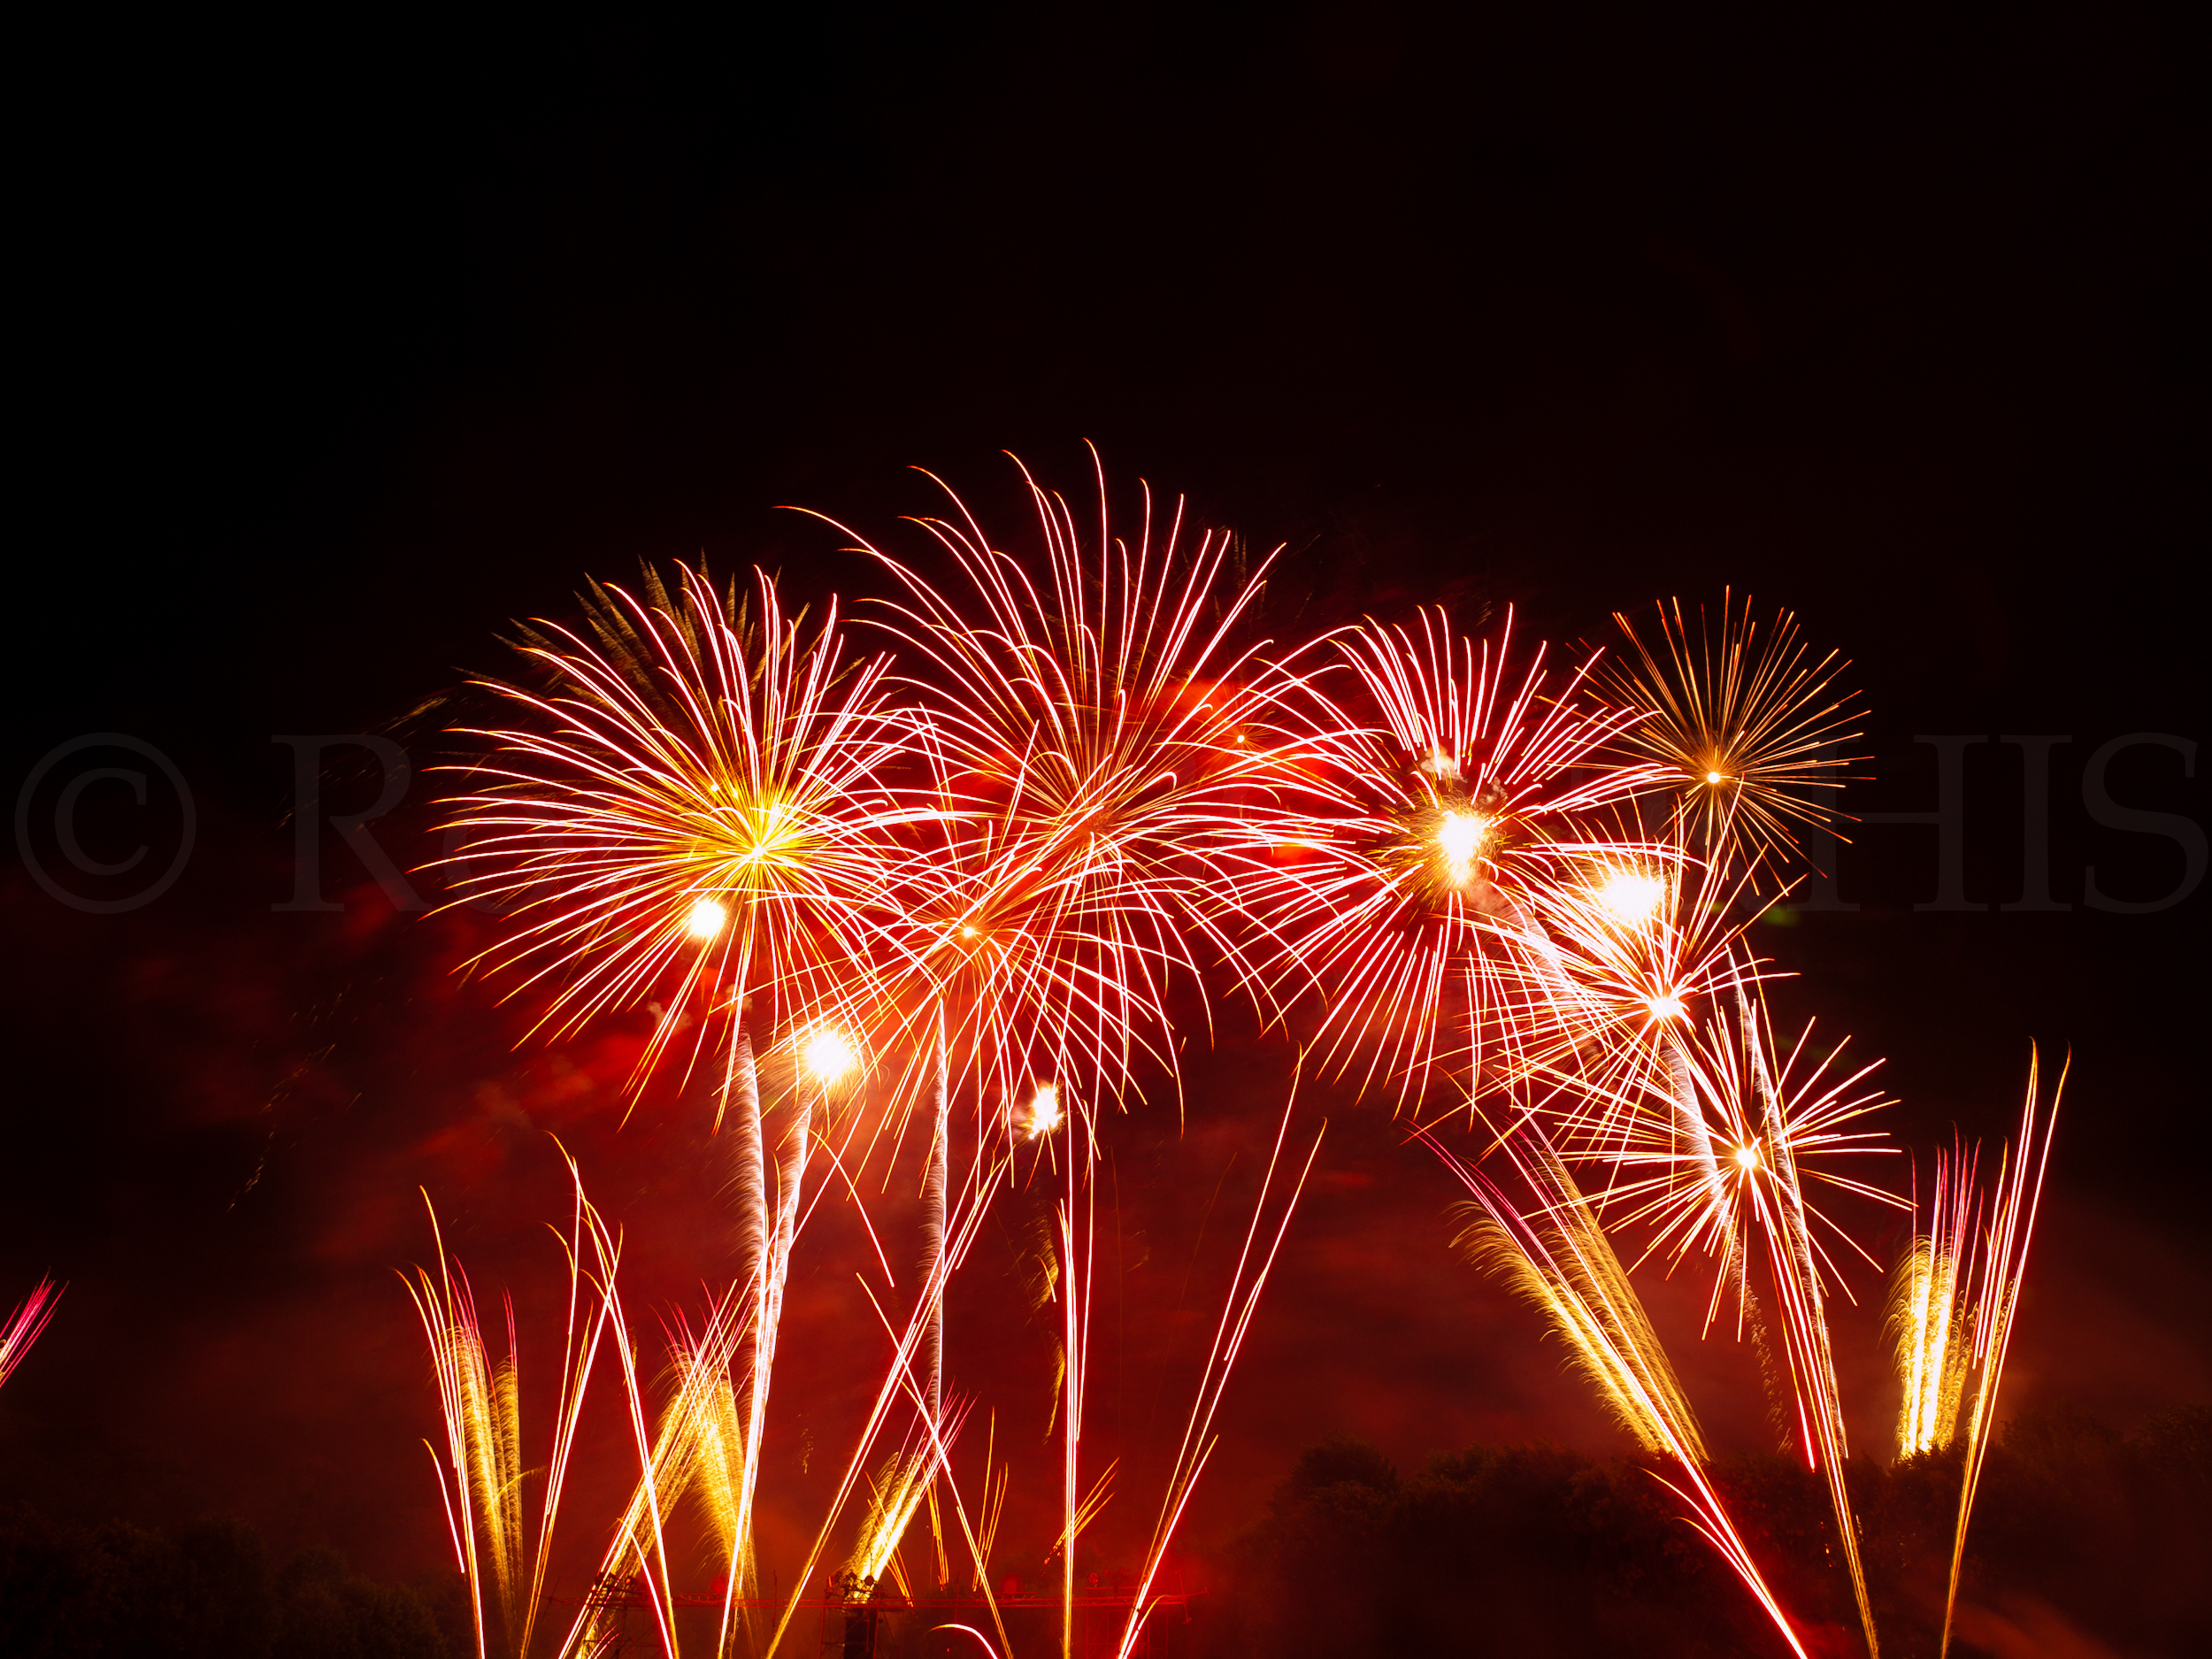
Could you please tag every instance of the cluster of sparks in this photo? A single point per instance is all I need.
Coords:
(944, 895)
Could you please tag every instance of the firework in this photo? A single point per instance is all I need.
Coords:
(1458, 777)
(2012, 1207)
(1100, 759)
(1930, 1308)
(1239, 1303)
(21, 1328)
(691, 814)
(1632, 943)
(1103, 752)
(963, 1224)
(1743, 724)
(1559, 1258)
(897, 1492)
(481, 1479)
(1718, 1157)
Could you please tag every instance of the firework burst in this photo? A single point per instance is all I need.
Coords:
(1459, 781)
(690, 814)
(1743, 724)
(1103, 753)
(1733, 1145)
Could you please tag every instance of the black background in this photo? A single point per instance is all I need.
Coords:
(335, 350)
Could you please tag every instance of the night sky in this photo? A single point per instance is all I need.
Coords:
(333, 353)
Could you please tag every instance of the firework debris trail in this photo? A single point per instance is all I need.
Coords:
(2013, 1204)
(21, 1328)
(1555, 1255)
(986, 855)
(481, 1479)
(1239, 1302)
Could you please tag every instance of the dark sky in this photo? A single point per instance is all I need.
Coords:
(332, 352)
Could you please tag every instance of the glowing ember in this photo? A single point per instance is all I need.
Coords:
(706, 918)
(1631, 896)
(1459, 836)
(1045, 1112)
(828, 1055)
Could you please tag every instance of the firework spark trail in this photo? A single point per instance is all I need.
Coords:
(1457, 777)
(479, 1483)
(979, 1541)
(1582, 1280)
(741, 1091)
(896, 1494)
(1079, 1232)
(1239, 1302)
(1931, 1308)
(934, 1229)
(2014, 1205)
(651, 1558)
(1740, 721)
(1806, 1323)
(21, 1327)
(993, 1507)
(966, 1224)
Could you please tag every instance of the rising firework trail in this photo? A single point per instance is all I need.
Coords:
(1239, 1302)
(1554, 1253)
(480, 1478)
(1931, 1309)
(2012, 1209)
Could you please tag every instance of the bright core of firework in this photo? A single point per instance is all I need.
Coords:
(1717, 777)
(1631, 896)
(1747, 1157)
(1045, 1114)
(1666, 1007)
(705, 919)
(828, 1055)
(1457, 836)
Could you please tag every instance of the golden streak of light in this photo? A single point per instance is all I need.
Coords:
(1747, 720)
(1556, 1256)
